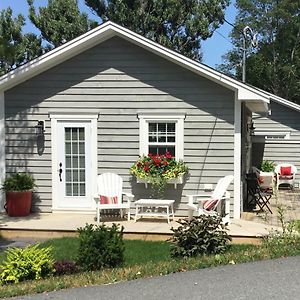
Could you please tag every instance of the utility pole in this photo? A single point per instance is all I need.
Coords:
(247, 34)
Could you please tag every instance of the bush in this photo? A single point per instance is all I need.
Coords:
(31, 262)
(100, 246)
(65, 267)
(267, 166)
(19, 182)
(201, 235)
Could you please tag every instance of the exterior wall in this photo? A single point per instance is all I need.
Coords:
(285, 120)
(117, 80)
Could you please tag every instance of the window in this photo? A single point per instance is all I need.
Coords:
(161, 133)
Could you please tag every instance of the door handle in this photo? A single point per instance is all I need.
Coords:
(60, 171)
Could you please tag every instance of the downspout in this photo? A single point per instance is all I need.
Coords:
(2, 149)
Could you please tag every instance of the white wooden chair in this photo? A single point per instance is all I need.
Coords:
(207, 203)
(110, 195)
(285, 173)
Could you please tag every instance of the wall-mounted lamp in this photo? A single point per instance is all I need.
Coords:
(251, 128)
(39, 128)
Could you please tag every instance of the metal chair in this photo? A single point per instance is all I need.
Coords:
(258, 196)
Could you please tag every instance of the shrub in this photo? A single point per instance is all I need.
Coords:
(31, 262)
(267, 166)
(65, 267)
(201, 235)
(100, 246)
(19, 182)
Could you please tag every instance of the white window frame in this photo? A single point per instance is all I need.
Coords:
(178, 119)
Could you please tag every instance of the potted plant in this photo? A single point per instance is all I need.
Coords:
(267, 166)
(18, 188)
(159, 170)
(266, 175)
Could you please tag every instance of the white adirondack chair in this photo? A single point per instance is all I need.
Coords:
(285, 178)
(109, 186)
(207, 203)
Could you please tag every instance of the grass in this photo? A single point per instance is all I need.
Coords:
(142, 259)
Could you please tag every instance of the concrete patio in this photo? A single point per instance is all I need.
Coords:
(51, 225)
(250, 228)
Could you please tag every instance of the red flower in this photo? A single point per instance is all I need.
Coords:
(165, 163)
(150, 154)
(168, 155)
(138, 164)
(146, 169)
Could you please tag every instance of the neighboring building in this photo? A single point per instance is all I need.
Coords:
(277, 134)
(97, 97)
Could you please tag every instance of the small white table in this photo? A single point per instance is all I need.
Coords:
(149, 204)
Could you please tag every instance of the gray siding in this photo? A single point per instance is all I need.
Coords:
(119, 80)
(282, 119)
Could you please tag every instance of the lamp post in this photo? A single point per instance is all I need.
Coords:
(247, 34)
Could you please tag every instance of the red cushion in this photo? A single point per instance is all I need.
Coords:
(285, 171)
(210, 204)
(260, 179)
(108, 200)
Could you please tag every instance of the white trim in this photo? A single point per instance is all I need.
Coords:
(55, 117)
(110, 29)
(71, 116)
(2, 149)
(178, 119)
(237, 159)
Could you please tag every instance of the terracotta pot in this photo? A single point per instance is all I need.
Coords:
(18, 203)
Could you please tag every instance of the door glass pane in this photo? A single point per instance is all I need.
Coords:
(75, 161)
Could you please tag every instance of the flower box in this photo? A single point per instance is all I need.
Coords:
(175, 181)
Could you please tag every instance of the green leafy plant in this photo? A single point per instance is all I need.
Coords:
(19, 182)
(100, 246)
(31, 262)
(157, 169)
(201, 235)
(267, 166)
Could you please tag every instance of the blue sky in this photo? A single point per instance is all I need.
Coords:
(213, 48)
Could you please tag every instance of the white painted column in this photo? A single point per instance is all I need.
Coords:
(2, 149)
(237, 158)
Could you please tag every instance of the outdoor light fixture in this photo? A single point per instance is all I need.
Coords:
(39, 128)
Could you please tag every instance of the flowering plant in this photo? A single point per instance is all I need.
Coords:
(157, 169)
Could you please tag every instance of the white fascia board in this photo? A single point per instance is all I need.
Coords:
(2, 149)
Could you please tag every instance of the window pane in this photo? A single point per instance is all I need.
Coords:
(152, 138)
(171, 139)
(81, 162)
(69, 189)
(68, 162)
(68, 148)
(171, 150)
(67, 134)
(81, 134)
(75, 189)
(82, 189)
(68, 175)
(75, 148)
(161, 139)
(75, 175)
(171, 127)
(162, 127)
(152, 127)
(81, 148)
(75, 161)
(74, 134)
(82, 175)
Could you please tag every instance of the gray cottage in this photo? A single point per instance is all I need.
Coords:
(98, 94)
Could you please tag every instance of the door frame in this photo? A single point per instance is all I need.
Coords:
(67, 117)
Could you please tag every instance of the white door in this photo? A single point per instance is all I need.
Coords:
(74, 161)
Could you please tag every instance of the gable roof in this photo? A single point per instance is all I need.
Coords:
(257, 100)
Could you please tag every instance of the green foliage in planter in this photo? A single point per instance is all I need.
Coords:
(31, 262)
(19, 182)
(100, 246)
(267, 166)
(201, 235)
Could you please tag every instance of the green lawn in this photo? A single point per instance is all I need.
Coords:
(142, 259)
(136, 251)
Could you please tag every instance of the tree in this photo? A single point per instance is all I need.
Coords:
(275, 65)
(15, 48)
(177, 24)
(60, 21)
